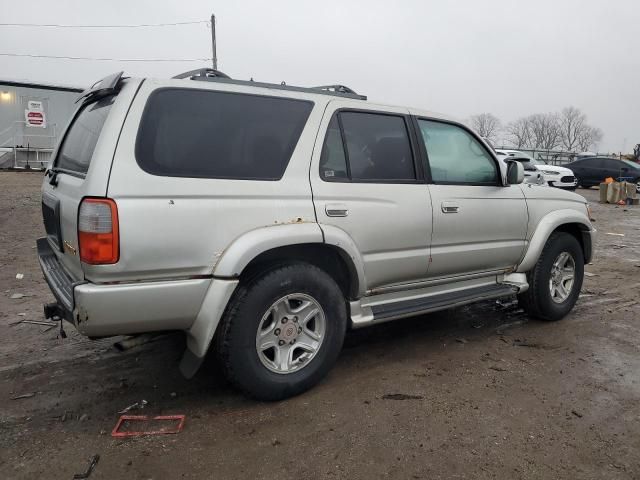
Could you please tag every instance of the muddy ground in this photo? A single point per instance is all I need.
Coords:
(491, 394)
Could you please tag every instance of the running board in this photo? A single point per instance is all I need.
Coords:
(433, 303)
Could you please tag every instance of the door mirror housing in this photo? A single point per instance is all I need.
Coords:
(515, 172)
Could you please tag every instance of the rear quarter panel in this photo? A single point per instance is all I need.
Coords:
(173, 227)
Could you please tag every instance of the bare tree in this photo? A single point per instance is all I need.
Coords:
(545, 131)
(589, 137)
(486, 124)
(519, 132)
(573, 125)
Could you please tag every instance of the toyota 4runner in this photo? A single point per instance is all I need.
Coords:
(266, 220)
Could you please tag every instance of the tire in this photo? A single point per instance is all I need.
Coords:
(261, 304)
(537, 301)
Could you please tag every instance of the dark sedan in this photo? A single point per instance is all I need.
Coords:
(592, 171)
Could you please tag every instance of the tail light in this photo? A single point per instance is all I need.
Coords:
(98, 236)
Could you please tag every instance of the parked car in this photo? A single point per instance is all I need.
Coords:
(592, 171)
(266, 220)
(554, 176)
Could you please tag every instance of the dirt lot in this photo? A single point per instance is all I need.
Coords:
(491, 393)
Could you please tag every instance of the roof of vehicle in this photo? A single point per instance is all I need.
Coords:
(337, 91)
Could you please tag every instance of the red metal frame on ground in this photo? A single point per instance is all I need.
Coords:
(142, 418)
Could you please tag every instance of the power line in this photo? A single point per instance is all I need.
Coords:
(108, 59)
(57, 25)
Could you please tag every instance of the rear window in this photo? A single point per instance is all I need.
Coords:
(206, 134)
(81, 138)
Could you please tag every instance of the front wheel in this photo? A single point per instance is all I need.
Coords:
(283, 331)
(556, 279)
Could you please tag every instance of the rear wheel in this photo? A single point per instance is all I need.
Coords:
(283, 331)
(556, 279)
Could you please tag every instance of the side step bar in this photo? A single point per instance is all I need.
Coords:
(409, 308)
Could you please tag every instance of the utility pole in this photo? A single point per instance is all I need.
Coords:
(213, 42)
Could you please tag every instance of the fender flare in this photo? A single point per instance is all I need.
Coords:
(254, 242)
(340, 239)
(545, 228)
(236, 257)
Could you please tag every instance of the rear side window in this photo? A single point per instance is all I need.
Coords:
(81, 138)
(378, 149)
(206, 134)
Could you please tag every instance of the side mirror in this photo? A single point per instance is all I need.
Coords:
(515, 172)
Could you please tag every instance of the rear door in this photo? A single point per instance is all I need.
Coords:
(367, 182)
(479, 225)
(80, 168)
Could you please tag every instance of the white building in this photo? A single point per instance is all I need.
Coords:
(32, 117)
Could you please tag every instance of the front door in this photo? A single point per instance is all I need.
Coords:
(479, 225)
(366, 181)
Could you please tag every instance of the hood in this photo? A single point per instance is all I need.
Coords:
(553, 168)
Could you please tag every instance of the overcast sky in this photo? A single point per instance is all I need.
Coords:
(510, 58)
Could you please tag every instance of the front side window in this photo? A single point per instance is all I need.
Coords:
(211, 134)
(378, 149)
(81, 139)
(455, 156)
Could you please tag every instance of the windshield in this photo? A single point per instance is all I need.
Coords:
(631, 164)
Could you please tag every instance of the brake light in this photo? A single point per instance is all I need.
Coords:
(98, 236)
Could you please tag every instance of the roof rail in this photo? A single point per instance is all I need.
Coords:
(336, 88)
(202, 72)
(211, 75)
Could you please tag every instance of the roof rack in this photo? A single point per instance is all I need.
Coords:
(202, 72)
(211, 75)
(336, 88)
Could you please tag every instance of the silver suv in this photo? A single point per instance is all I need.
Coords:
(266, 220)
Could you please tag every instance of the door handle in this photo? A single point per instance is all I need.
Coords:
(336, 210)
(450, 207)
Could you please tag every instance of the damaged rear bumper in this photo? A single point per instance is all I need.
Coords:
(99, 310)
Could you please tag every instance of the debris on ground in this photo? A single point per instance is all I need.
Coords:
(589, 274)
(24, 395)
(462, 340)
(93, 461)
(401, 396)
(498, 369)
(576, 413)
(16, 296)
(126, 419)
(84, 417)
(135, 406)
(615, 234)
(36, 322)
(19, 276)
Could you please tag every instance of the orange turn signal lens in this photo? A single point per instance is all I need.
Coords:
(98, 236)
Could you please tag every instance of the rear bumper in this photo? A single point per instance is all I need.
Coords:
(99, 310)
(57, 277)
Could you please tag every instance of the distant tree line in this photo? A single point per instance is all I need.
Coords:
(567, 130)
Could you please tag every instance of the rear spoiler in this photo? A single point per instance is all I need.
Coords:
(101, 88)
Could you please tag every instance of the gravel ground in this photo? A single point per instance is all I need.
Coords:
(476, 392)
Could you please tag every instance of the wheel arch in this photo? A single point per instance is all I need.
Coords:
(569, 221)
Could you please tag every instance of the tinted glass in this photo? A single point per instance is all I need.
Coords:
(631, 165)
(196, 133)
(333, 163)
(80, 141)
(455, 156)
(613, 165)
(378, 147)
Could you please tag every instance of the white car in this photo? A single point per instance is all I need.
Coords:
(553, 175)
